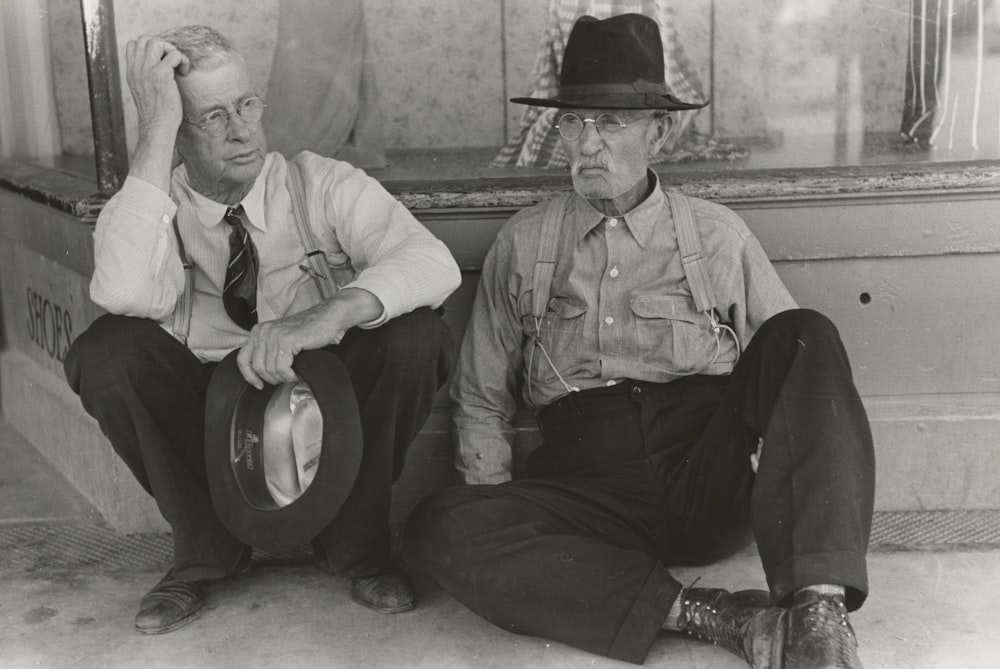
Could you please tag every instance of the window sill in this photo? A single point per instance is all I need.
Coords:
(462, 179)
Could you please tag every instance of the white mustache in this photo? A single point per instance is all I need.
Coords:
(600, 160)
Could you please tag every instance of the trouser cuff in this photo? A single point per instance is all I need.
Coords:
(646, 617)
(845, 568)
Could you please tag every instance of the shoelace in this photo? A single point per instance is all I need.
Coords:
(700, 618)
(825, 615)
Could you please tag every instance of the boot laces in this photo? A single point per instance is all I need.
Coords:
(700, 617)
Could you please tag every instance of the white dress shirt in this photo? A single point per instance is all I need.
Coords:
(137, 267)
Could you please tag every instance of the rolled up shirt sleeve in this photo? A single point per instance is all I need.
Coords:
(137, 271)
(397, 259)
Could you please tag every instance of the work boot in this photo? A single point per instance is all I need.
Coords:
(819, 634)
(742, 622)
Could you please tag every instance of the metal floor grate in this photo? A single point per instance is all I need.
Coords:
(54, 547)
(50, 547)
(912, 530)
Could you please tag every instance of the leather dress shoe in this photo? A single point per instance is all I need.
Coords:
(388, 592)
(169, 605)
(742, 622)
(819, 634)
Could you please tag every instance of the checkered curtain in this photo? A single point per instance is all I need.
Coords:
(537, 144)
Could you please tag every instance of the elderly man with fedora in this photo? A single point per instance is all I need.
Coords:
(686, 405)
(237, 249)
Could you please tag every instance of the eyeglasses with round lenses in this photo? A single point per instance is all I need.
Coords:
(216, 122)
(571, 125)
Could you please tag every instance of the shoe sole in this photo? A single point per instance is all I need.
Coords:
(191, 617)
(382, 609)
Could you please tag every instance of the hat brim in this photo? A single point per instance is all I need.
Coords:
(290, 526)
(613, 101)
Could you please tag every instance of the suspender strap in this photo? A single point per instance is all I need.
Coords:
(692, 259)
(319, 270)
(318, 267)
(182, 310)
(545, 258)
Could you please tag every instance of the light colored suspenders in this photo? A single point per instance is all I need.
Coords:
(318, 268)
(182, 310)
(692, 258)
(545, 256)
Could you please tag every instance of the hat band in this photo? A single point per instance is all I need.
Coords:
(638, 86)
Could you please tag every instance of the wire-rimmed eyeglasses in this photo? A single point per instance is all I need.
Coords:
(571, 125)
(216, 121)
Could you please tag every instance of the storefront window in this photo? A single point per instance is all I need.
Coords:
(793, 83)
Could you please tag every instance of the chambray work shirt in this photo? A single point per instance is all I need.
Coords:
(619, 308)
(138, 269)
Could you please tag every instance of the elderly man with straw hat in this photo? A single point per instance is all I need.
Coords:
(686, 403)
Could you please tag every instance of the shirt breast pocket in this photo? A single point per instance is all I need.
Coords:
(564, 315)
(561, 333)
(671, 334)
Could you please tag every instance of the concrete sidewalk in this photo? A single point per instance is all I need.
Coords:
(928, 608)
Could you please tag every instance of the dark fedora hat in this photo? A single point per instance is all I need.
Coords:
(614, 63)
(282, 460)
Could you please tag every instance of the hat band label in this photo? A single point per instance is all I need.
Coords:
(246, 447)
(244, 443)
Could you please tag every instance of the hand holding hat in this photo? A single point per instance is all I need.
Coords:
(281, 460)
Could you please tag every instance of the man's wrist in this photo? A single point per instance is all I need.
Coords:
(352, 307)
(152, 158)
(159, 133)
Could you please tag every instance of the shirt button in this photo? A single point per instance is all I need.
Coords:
(613, 272)
(166, 219)
(609, 320)
(612, 222)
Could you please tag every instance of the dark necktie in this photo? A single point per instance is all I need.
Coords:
(240, 293)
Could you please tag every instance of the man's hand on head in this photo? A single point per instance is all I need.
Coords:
(151, 66)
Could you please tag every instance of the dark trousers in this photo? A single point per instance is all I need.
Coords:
(640, 476)
(147, 392)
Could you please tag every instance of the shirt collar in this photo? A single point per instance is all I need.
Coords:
(640, 221)
(210, 213)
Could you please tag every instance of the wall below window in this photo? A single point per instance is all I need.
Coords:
(908, 275)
